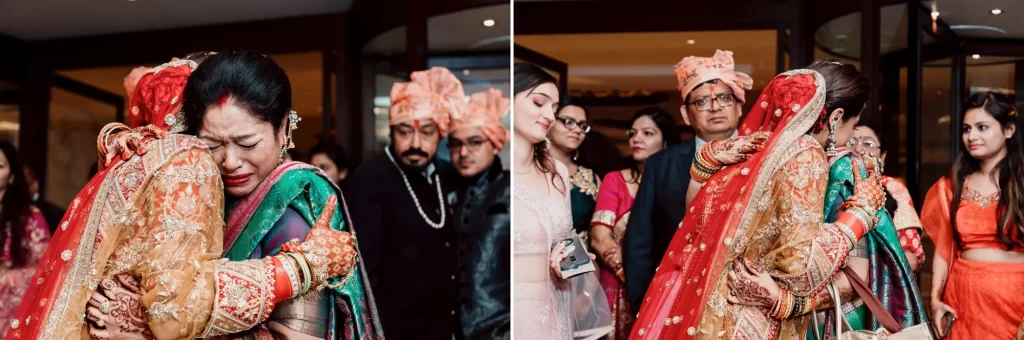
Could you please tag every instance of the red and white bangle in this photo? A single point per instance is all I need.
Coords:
(282, 283)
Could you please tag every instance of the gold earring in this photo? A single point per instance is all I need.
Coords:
(831, 151)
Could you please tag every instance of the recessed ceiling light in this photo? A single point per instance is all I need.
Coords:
(976, 56)
(465, 72)
(996, 11)
(935, 15)
(489, 22)
(691, 42)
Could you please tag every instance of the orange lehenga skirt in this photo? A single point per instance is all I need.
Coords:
(988, 298)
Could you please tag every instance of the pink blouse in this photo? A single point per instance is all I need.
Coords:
(14, 280)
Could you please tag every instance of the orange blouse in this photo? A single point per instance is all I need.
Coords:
(975, 219)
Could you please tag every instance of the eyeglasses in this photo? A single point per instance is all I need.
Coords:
(705, 103)
(473, 144)
(865, 143)
(571, 124)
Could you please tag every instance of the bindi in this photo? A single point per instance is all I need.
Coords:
(223, 99)
(416, 124)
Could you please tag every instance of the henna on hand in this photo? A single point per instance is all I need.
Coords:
(751, 293)
(125, 314)
(737, 149)
(751, 285)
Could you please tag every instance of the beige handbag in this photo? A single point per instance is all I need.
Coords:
(890, 330)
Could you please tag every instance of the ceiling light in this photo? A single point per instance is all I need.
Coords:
(996, 11)
(489, 22)
(465, 72)
(691, 42)
(935, 15)
(976, 56)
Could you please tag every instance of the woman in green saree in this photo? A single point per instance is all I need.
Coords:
(889, 274)
(239, 104)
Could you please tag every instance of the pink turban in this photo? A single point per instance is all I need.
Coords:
(693, 71)
(485, 110)
(432, 94)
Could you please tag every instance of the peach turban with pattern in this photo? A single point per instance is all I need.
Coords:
(693, 71)
(432, 94)
(485, 110)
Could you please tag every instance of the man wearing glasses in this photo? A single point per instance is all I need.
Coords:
(481, 199)
(713, 94)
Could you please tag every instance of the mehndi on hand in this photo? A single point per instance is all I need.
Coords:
(116, 311)
(117, 140)
(326, 253)
(715, 155)
(737, 149)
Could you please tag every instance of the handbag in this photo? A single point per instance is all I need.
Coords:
(890, 330)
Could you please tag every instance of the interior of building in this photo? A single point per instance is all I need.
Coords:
(922, 58)
(62, 72)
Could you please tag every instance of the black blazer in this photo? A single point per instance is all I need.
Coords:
(658, 208)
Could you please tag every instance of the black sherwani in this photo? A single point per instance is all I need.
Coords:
(483, 225)
(411, 265)
(658, 208)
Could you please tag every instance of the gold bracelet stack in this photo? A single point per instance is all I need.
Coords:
(703, 165)
(307, 279)
(802, 305)
(103, 139)
(784, 305)
(862, 214)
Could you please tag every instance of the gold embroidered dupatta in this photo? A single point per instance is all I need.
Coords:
(101, 218)
(733, 210)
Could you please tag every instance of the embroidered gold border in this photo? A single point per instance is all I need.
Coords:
(799, 125)
(604, 217)
(118, 210)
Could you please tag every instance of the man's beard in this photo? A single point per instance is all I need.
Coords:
(415, 152)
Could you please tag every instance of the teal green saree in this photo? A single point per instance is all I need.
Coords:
(890, 277)
(302, 188)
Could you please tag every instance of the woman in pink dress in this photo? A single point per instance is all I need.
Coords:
(23, 235)
(545, 306)
(542, 300)
(652, 130)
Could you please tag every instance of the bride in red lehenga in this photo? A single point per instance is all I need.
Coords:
(766, 213)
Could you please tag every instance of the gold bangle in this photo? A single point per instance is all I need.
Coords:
(102, 139)
(307, 278)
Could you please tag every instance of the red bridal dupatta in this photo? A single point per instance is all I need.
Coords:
(94, 237)
(685, 300)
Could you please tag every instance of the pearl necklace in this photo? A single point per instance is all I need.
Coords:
(440, 197)
(527, 171)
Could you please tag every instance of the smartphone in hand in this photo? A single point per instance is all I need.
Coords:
(576, 261)
(947, 324)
